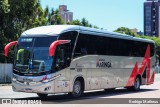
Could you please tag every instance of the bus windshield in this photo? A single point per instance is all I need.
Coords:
(33, 55)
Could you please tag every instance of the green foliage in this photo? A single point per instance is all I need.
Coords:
(95, 27)
(83, 22)
(76, 22)
(125, 30)
(17, 16)
(55, 18)
(4, 6)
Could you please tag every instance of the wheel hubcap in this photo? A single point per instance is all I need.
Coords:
(77, 89)
(137, 83)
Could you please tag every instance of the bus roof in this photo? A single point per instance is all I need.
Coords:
(52, 30)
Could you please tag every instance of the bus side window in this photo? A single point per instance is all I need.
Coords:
(68, 54)
(83, 51)
(59, 58)
(62, 57)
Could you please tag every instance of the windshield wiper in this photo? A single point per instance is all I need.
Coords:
(16, 70)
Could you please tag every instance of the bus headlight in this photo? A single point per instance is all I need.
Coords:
(47, 88)
(45, 81)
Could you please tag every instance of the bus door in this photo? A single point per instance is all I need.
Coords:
(61, 65)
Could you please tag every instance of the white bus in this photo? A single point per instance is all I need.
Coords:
(73, 59)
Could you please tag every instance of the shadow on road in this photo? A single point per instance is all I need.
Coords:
(59, 99)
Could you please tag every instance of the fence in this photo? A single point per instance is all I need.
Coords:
(6, 73)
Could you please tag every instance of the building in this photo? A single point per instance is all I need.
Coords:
(65, 14)
(135, 30)
(140, 33)
(152, 18)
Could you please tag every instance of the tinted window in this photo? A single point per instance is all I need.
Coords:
(152, 49)
(44, 41)
(98, 45)
(90, 45)
(72, 35)
(62, 57)
(38, 41)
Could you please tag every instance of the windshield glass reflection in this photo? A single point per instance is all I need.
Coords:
(33, 55)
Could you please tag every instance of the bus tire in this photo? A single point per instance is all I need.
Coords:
(77, 89)
(42, 95)
(137, 84)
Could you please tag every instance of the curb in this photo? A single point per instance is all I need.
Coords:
(1, 85)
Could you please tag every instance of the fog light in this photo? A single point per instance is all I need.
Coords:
(47, 88)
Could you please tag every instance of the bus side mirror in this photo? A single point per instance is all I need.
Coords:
(53, 46)
(6, 49)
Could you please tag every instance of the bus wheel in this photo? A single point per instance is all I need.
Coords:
(77, 89)
(42, 95)
(137, 84)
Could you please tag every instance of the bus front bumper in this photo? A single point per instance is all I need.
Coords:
(33, 87)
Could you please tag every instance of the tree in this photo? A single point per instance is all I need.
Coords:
(76, 22)
(96, 27)
(125, 30)
(55, 18)
(18, 16)
(4, 10)
(85, 22)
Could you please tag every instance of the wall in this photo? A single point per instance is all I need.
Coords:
(6, 73)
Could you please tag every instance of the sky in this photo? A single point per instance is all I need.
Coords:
(106, 14)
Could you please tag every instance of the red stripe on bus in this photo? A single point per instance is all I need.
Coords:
(145, 63)
(152, 78)
(133, 75)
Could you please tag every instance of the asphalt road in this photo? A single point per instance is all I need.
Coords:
(119, 96)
